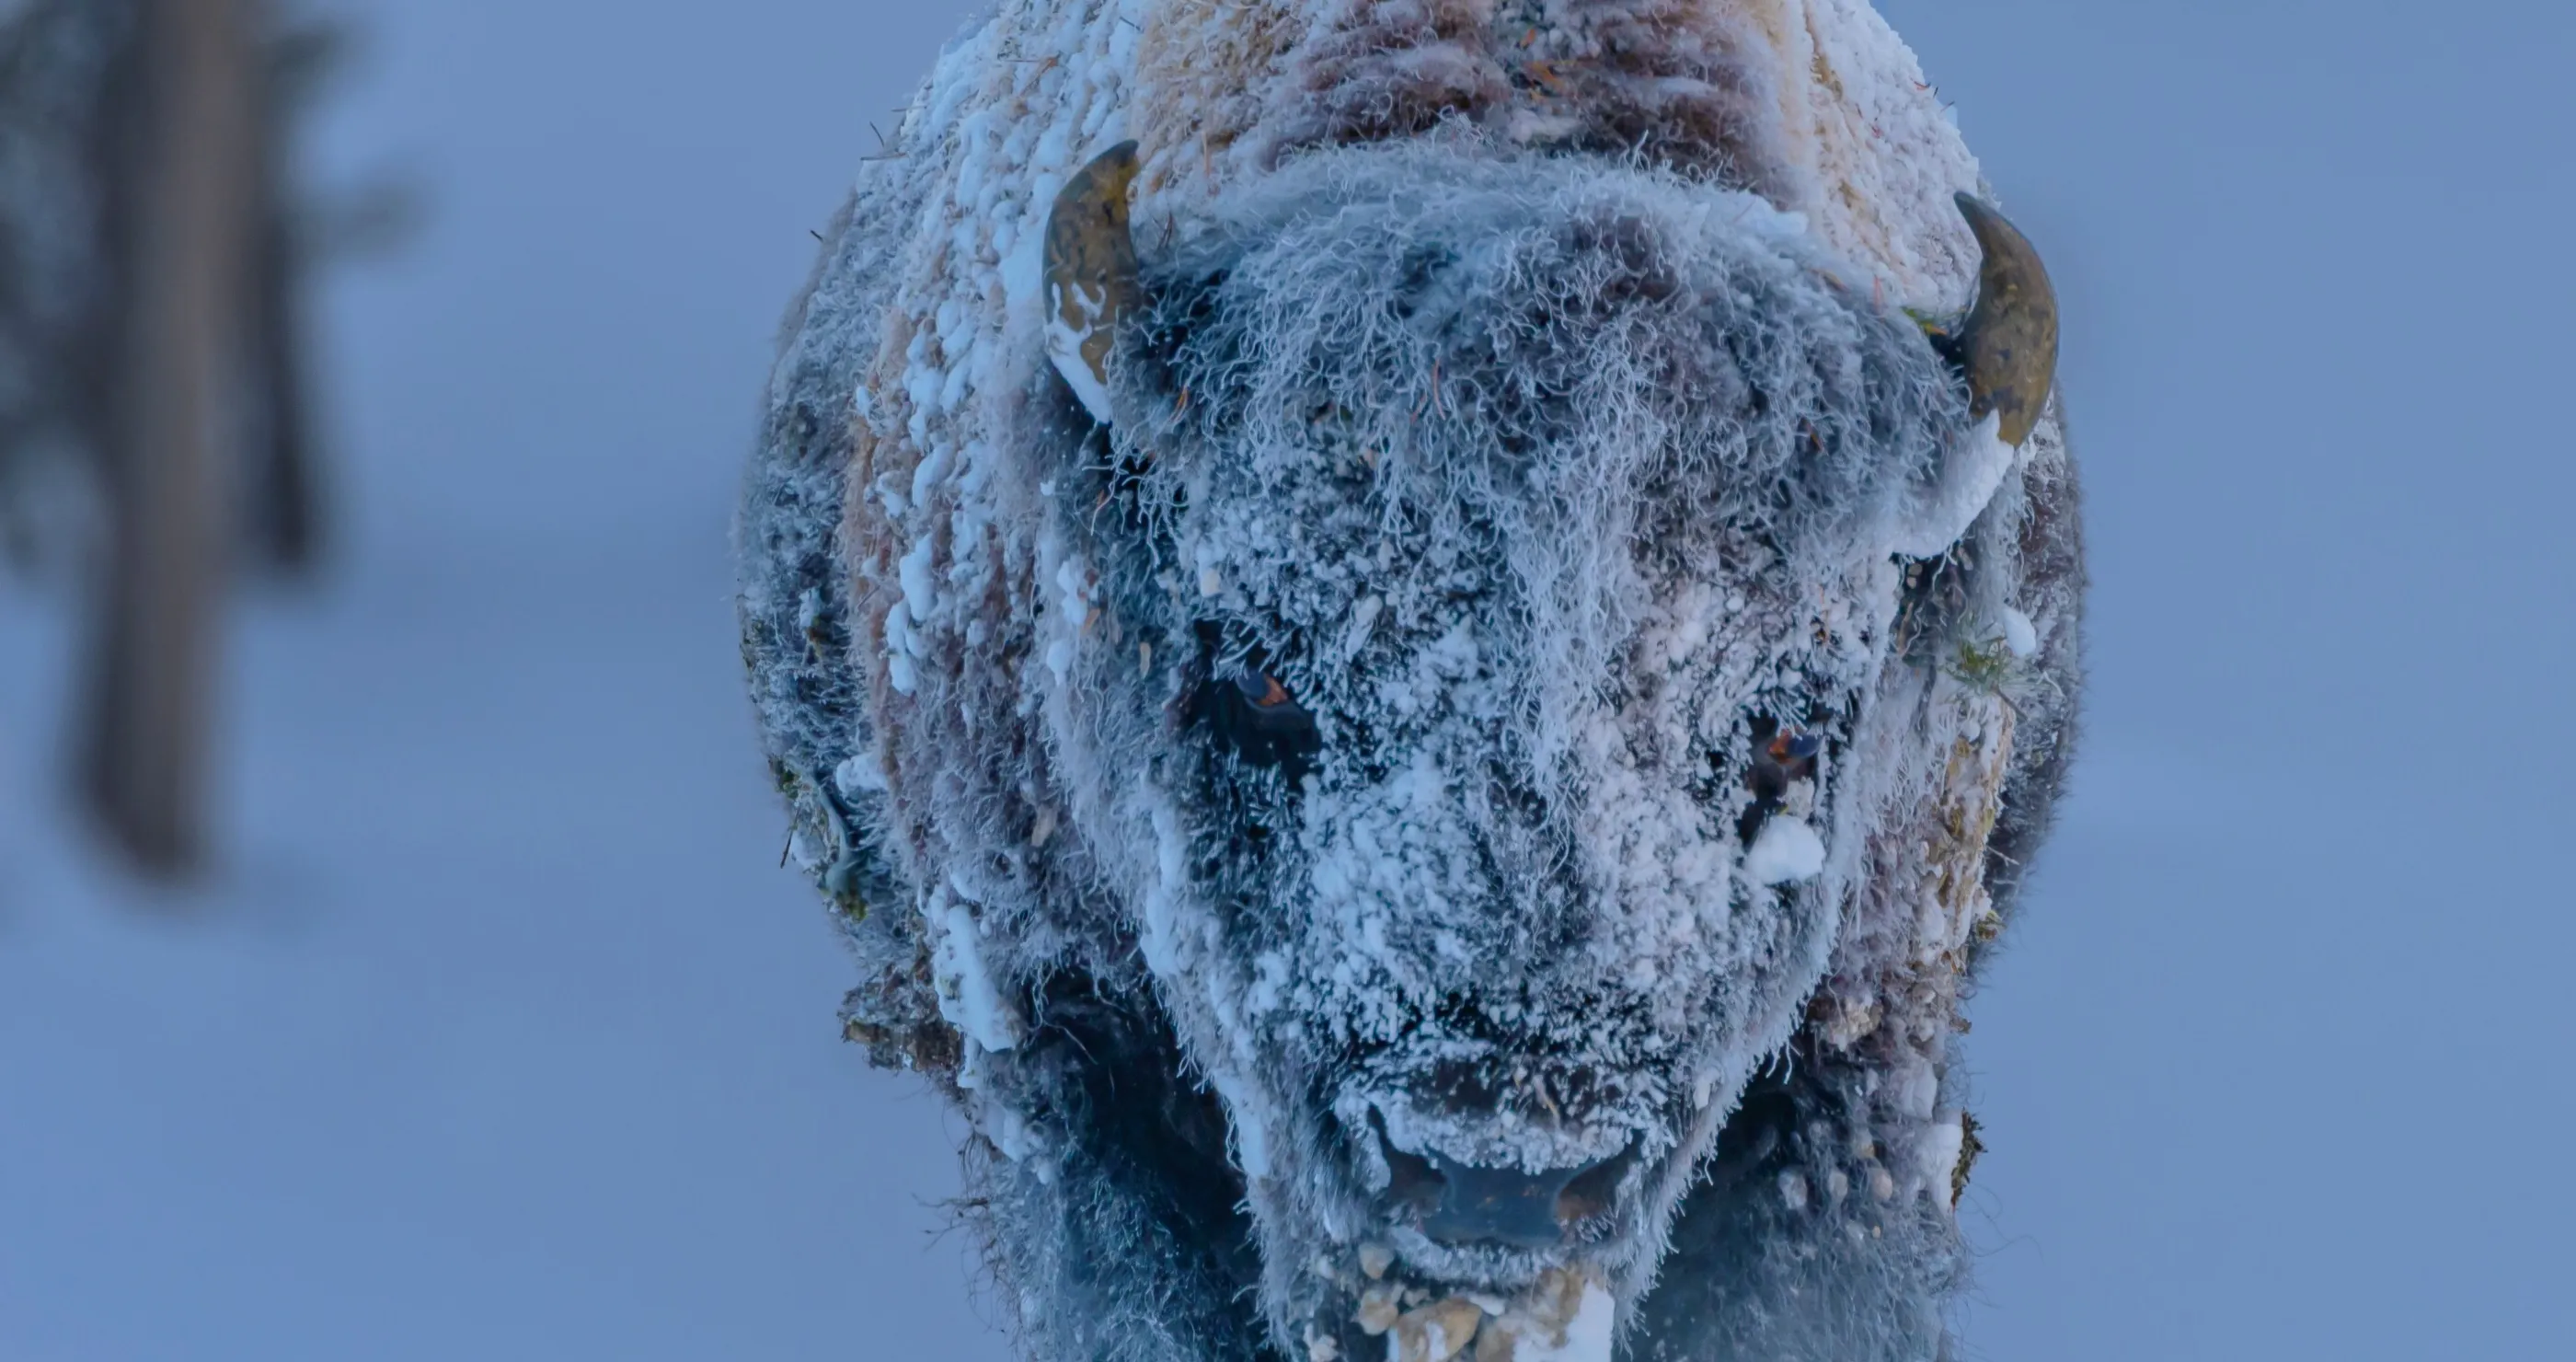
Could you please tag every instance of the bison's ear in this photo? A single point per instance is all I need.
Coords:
(1092, 285)
(2007, 346)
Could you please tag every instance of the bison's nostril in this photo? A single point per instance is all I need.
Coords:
(1470, 1203)
(1593, 1192)
(1411, 1180)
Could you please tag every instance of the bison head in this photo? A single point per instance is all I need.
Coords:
(1472, 675)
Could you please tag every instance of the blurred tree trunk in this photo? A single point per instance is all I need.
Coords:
(183, 219)
(282, 463)
(155, 249)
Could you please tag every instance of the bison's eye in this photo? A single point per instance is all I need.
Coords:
(1781, 758)
(1264, 693)
(1794, 747)
(1256, 718)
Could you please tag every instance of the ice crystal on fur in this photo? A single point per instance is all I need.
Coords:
(1540, 685)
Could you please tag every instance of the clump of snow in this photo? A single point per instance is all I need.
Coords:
(1785, 852)
(1961, 488)
(1587, 1334)
(1942, 1142)
(2020, 635)
(858, 777)
(968, 995)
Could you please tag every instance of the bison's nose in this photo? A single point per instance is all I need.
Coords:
(1465, 1203)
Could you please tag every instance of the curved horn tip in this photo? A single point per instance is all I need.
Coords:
(2008, 344)
(1975, 209)
(1112, 171)
(1091, 279)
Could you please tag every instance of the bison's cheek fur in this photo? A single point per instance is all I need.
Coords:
(1550, 488)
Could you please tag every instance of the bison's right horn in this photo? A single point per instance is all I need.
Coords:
(2008, 344)
(1091, 279)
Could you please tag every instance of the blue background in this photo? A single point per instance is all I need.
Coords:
(498, 1036)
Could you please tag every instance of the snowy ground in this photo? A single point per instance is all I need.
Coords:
(500, 1037)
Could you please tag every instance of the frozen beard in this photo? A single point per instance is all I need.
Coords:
(1466, 661)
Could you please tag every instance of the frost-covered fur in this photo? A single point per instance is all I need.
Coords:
(1552, 472)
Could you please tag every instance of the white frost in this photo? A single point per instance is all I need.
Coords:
(1787, 851)
(1587, 1335)
(919, 596)
(968, 998)
(1970, 476)
(859, 775)
(2020, 634)
(1940, 1152)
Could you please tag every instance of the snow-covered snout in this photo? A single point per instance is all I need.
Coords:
(1477, 571)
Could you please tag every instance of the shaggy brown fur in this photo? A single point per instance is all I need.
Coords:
(1393, 68)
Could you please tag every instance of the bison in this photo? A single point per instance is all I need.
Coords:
(1418, 644)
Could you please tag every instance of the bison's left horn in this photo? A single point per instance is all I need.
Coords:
(2008, 344)
(1091, 279)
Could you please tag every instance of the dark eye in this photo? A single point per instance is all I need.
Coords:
(1781, 757)
(1790, 748)
(1263, 692)
(1255, 717)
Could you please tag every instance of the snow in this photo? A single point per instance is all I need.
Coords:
(497, 1017)
(1251, 1133)
(1941, 1146)
(1024, 291)
(1587, 1334)
(497, 1031)
(968, 996)
(1967, 484)
(919, 597)
(2020, 635)
(859, 775)
(1785, 852)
